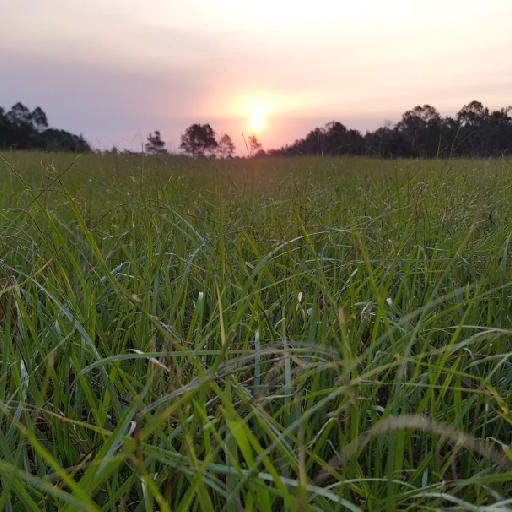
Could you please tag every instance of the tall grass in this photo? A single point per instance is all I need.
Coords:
(296, 334)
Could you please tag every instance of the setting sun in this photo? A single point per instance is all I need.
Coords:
(257, 118)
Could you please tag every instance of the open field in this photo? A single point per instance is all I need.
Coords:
(295, 334)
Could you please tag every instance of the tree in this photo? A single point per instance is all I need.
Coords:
(61, 140)
(5, 129)
(474, 121)
(18, 132)
(422, 133)
(39, 119)
(255, 146)
(474, 114)
(421, 128)
(340, 141)
(386, 142)
(155, 145)
(335, 137)
(225, 147)
(199, 140)
(19, 115)
(314, 143)
(22, 129)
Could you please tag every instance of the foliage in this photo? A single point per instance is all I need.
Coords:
(274, 334)
(421, 133)
(255, 147)
(155, 145)
(225, 147)
(21, 128)
(199, 140)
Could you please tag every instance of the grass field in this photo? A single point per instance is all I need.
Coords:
(296, 334)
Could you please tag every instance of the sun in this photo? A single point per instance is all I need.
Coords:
(258, 118)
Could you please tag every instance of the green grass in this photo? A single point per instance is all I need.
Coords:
(296, 334)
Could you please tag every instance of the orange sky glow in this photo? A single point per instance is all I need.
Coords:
(117, 69)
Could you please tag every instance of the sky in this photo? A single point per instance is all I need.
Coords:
(115, 70)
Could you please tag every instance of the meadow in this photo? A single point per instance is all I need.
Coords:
(274, 334)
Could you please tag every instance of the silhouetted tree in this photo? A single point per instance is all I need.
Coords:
(19, 115)
(155, 145)
(421, 128)
(473, 120)
(254, 145)
(4, 124)
(473, 115)
(22, 129)
(386, 142)
(39, 119)
(225, 147)
(474, 131)
(19, 127)
(499, 131)
(61, 140)
(421, 133)
(315, 142)
(199, 140)
(333, 139)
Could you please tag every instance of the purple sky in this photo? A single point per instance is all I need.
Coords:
(117, 69)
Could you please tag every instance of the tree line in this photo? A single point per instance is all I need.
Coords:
(22, 128)
(200, 140)
(474, 131)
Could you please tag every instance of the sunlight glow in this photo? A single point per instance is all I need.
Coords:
(258, 118)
